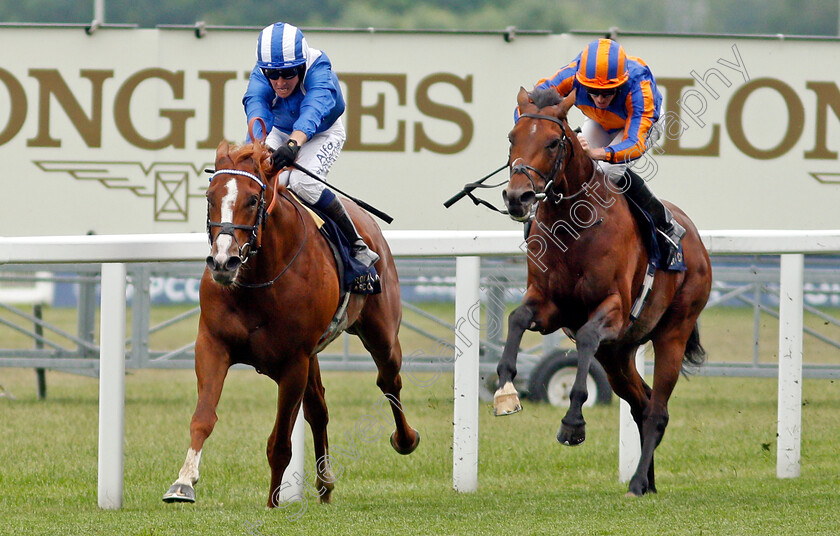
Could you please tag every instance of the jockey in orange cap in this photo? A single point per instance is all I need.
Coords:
(618, 95)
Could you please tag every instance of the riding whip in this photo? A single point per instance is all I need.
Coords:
(373, 210)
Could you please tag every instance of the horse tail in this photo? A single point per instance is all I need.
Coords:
(695, 354)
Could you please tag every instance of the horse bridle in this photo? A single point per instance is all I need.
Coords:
(548, 191)
(252, 245)
(250, 248)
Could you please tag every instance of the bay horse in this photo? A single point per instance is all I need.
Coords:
(268, 294)
(587, 262)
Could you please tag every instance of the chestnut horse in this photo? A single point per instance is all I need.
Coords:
(586, 265)
(267, 296)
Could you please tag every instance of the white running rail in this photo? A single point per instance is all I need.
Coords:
(113, 251)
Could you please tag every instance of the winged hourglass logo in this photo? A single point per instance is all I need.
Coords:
(826, 178)
(169, 184)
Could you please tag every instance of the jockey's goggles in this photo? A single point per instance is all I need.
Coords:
(285, 74)
(602, 92)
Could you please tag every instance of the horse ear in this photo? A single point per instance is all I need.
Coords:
(523, 98)
(222, 152)
(223, 149)
(567, 104)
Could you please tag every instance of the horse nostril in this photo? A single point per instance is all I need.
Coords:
(528, 197)
(233, 263)
(211, 263)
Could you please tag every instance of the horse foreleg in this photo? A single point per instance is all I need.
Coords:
(667, 367)
(211, 366)
(316, 414)
(506, 399)
(291, 384)
(603, 324)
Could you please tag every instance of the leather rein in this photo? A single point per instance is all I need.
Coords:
(548, 191)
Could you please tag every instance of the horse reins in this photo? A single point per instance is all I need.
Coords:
(249, 249)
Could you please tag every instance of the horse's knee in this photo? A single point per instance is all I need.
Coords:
(520, 318)
(655, 423)
(389, 379)
(203, 424)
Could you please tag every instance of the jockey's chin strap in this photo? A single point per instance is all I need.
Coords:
(548, 191)
(250, 248)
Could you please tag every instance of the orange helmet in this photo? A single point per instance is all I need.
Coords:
(602, 65)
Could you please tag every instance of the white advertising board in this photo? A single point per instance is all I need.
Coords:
(110, 132)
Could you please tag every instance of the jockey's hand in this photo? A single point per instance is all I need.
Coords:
(595, 153)
(284, 155)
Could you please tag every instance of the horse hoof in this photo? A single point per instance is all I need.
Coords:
(637, 489)
(179, 493)
(408, 450)
(571, 436)
(506, 401)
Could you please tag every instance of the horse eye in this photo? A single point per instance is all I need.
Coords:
(553, 144)
(252, 201)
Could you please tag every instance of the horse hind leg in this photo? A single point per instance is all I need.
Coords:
(388, 359)
(316, 414)
(628, 384)
(666, 373)
(211, 369)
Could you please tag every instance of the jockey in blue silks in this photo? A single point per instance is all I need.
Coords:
(294, 90)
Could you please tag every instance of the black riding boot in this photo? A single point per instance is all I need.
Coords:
(662, 217)
(362, 253)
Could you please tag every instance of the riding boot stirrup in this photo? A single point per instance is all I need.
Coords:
(363, 254)
(361, 251)
(673, 233)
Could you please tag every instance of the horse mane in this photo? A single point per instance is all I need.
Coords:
(545, 97)
(255, 151)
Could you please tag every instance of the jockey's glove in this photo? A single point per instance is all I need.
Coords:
(284, 155)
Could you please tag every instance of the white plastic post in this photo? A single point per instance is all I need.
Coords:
(629, 446)
(111, 386)
(467, 324)
(291, 489)
(789, 432)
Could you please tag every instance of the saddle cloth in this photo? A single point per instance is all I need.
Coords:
(353, 276)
